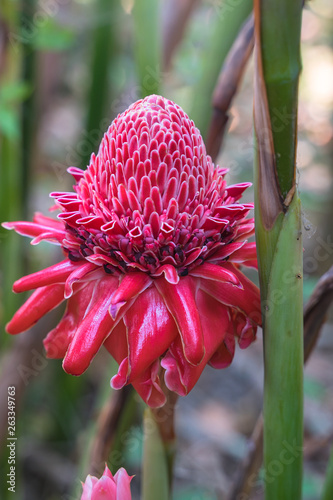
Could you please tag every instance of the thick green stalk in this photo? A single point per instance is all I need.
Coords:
(147, 45)
(155, 477)
(328, 485)
(103, 50)
(280, 45)
(279, 242)
(227, 18)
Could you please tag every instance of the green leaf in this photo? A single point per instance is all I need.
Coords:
(9, 123)
(53, 37)
(146, 16)
(15, 92)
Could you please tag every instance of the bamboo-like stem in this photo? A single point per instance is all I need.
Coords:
(279, 242)
(315, 314)
(147, 45)
(226, 19)
(328, 485)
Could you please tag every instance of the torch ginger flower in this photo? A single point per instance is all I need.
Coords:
(153, 239)
(108, 487)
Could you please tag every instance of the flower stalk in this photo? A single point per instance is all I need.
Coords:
(279, 241)
(155, 475)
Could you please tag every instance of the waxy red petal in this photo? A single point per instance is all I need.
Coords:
(49, 276)
(42, 301)
(180, 376)
(147, 384)
(57, 341)
(180, 301)
(150, 331)
(246, 299)
(170, 273)
(224, 354)
(93, 330)
(34, 230)
(131, 285)
(245, 253)
(216, 273)
(79, 273)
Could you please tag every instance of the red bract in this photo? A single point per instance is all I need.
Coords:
(108, 487)
(153, 239)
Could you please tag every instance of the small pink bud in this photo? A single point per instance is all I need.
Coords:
(108, 487)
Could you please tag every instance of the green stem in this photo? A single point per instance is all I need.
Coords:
(155, 477)
(328, 485)
(283, 355)
(227, 21)
(279, 243)
(280, 37)
(147, 45)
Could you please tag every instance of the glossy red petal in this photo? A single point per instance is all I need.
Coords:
(225, 251)
(215, 272)
(34, 230)
(150, 331)
(42, 301)
(245, 299)
(57, 341)
(180, 301)
(93, 330)
(224, 354)
(49, 222)
(170, 273)
(49, 276)
(79, 273)
(247, 252)
(180, 376)
(131, 285)
(244, 329)
(147, 384)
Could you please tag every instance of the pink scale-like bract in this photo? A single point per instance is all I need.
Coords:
(153, 239)
(108, 487)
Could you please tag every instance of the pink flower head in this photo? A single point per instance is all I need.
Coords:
(108, 487)
(153, 239)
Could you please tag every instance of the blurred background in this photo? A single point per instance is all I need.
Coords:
(67, 68)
